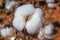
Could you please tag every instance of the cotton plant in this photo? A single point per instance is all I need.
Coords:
(46, 32)
(8, 31)
(35, 22)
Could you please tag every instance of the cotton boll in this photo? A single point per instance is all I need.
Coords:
(43, 36)
(24, 10)
(51, 5)
(9, 31)
(6, 31)
(19, 23)
(50, 1)
(3, 32)
(11, 4)
(35, 22)
(46, 32)
(48, 29)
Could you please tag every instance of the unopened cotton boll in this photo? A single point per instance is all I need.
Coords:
(11, 4)
(6, 32)
(50, 1)
(24, 10)
(35, 22)
(51, 5)
(19, 23)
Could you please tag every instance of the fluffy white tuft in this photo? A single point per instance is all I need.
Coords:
(19, 23)
(7, 31)
(3, 32)
(35, 23)
(46, 32)
(11, 4)
(51, 5)
(48, 29)
(24, 10)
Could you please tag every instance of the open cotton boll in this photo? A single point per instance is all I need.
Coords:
(9, 31)
(3, 32)
(19, 23)
(35, 22)
(6, 31)
(50, 1)
(48, 29)
(24, 10)
(51, 5)
(11, 4)
(46, 32)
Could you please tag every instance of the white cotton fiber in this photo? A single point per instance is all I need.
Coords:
(9, 31)
(3, 32)
(48, 29)
(35, 23)
(24, 10)
(6, 31)
(46, 32)
(19, 23)
(51, 5)
(11, 4)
